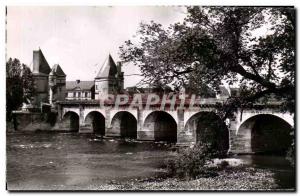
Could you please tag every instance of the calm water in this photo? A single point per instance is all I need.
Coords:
(76, 161)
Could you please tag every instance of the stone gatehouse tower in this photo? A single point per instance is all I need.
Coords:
(110, 79)
(50, 84)
(41, 70)
(57, 84)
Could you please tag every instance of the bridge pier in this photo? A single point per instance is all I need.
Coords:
(184, 137)
(238, 144)
(83, 128)
(109, 130)
(144, 130)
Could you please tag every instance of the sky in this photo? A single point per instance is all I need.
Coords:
(79, 39)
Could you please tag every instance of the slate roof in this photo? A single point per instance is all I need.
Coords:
(43, 66)
(83, 85)
(108, 68)
(56, 70)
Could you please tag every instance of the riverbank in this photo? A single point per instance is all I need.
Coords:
(246, 179)
(234, 179)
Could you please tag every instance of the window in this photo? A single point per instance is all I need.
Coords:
(86, 94)
(79, 94)
(74, 94)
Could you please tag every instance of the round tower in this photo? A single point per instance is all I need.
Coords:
(107, 79)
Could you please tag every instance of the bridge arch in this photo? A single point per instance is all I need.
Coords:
(125, 123)
(205, 126)
(96, 121)
(70, 121)
(161, 125)
(66, 110)
(265, 133)
(87, 111)
(289, 118)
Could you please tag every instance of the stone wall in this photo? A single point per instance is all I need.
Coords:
(34, 121)
(41, 88)
(37, 121)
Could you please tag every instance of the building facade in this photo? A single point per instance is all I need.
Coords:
(80, 90)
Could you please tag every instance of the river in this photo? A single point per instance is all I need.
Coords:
(51, 161)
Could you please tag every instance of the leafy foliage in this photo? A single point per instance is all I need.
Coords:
(222, 44)
(212, 132)
(19, 85)
(191, 162)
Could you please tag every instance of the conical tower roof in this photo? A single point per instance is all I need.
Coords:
(108, 69)
(57, 70)
(40, 64)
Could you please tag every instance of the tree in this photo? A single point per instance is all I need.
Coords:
(28, 84)
(222, 44)
(19, 86)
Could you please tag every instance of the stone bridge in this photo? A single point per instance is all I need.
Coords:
(249, 131)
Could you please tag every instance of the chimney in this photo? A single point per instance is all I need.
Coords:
(77, 81)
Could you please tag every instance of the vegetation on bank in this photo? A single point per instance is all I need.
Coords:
(19, 86)
(194, 169)
(239, 178)
(190, 163)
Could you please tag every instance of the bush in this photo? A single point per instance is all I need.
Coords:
(212, 131)
(191, 162)
(223, 165)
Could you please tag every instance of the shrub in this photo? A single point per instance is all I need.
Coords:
(191, 162)
(212, 131)
(224, 164)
